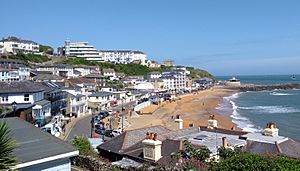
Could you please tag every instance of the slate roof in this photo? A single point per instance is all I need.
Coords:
(108, 70)
(33, 143)
(288, 148)
(100, 94)
(42, 102)
(168, 147)
(20, 87)
(42, 77)
(130, 138)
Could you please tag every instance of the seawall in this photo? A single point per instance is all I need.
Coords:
(252, 87)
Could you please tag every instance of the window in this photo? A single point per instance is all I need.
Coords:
(26, 97)
(5, 98)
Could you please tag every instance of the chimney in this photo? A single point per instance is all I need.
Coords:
(67, 83)
(212, 122)
(152, 147)
(271, 130)
(224, 142)
(179, 122)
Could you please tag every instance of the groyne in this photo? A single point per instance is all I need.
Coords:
(253, 87)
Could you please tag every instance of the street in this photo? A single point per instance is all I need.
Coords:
(83, 126)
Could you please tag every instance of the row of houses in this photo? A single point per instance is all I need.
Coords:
(158, 144)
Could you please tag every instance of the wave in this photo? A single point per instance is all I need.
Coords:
(271, 109)
(280, 94)
(242, 122)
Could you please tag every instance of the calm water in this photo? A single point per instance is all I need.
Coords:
(252, 110)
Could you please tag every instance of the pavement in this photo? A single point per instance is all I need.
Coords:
(82, 126)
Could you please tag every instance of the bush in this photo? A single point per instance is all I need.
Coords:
(83, 145)
(245, 162)
(225, 153)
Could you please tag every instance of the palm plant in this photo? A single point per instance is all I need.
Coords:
(7, 145)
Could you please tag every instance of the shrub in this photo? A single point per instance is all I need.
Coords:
(83, 145)
(245, 162)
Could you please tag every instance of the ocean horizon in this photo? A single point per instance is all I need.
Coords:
(251, 111)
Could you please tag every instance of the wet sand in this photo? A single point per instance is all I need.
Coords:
(194, 109)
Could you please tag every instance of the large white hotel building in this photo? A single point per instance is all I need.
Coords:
(89, 52)
(82, 50)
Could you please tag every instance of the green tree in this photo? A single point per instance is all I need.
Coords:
(46, 49)
(83, 145)
(201, 154)
(245, 162)
(7, 145)
(225, 153)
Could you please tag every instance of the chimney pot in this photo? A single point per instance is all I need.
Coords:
(224, 142)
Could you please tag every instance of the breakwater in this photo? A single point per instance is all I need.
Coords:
(253, 87)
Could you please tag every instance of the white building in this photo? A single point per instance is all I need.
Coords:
(77, 102)
(175, 79)
(16, 45)
(26, 94)
(82, 50)
(101, 100)
(58, 69)
(109, 72)
(123, 56)
(153, 75)
(9, 75)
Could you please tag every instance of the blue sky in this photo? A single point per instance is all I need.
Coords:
(231, 37)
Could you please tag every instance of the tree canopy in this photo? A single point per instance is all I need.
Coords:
(7, 145)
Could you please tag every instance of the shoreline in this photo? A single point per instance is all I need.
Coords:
(194, 109)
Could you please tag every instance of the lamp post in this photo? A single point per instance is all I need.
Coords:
(14, 106)
(122, 115)
(92, 123)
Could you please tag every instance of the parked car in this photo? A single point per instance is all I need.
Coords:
(103, 114)
(110, 112)
(109, 133)
(100, 130)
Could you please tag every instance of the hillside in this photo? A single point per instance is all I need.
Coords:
(132, 69)
(28, 58)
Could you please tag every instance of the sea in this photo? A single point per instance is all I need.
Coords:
(251, 111)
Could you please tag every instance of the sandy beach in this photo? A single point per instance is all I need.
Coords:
(194, 109)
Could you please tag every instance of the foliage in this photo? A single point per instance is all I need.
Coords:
(46, 49)
(135, 69)
(7, 145)
(190, 151)
(83, 145)
(245, 162)
(225, 153)
(29, 57)
(115, 84)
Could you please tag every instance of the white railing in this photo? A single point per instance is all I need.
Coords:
(142, 105)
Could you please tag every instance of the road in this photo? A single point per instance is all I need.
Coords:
(83, 126)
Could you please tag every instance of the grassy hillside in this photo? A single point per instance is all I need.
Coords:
(28, 57)
(135, 69)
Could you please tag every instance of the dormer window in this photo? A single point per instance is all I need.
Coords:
(26, 97)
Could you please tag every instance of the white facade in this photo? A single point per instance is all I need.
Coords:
(82, 50)
(9, 75)
(102, 99)
(174, 79)
(15, 45)
(123, 56)
(109, 73)
(29, 98)
(77, 102)
(58, 69)
(22, 73)
(154, 75)
(85, 70)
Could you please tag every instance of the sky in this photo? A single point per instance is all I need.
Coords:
(232, 37)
